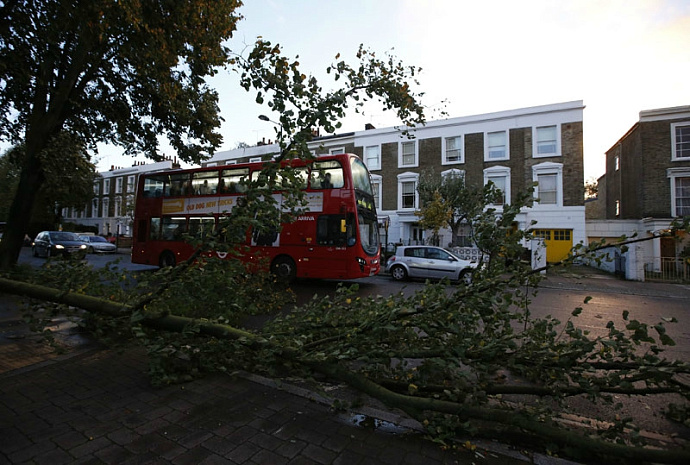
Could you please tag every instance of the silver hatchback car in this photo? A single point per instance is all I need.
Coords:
(98, 244)
(429, 262)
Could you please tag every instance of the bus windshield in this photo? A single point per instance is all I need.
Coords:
(360, 176)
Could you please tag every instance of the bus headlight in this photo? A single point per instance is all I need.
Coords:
(361, 262)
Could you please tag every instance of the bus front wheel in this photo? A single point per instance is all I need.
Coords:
(167, 259)
(284, 269)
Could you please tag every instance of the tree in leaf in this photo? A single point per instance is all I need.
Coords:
(125, 73)
(463, 202)
(69, 180)
(435, 215)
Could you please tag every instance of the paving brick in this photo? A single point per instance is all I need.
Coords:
(26, 453)
(70, 439)
(337, 443)
(11, 439)
(290, 449)
(319, 454)
(91, 447)
(266, 441)
(53, 457)
(193, 456)
(123, 436)
(348, 458)
(265, 457)
(219, 445)
(194, 438)
(158, 424)
(243, 452)
(114, 454)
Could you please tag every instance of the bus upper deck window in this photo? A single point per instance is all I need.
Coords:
(204, 183)
(233, 181)
(327, 175)
(154, 186)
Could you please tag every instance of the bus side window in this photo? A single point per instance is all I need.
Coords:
(232, 181)
(155, 229)
(173, 228)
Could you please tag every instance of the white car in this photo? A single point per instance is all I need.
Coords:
(98, 244)
(429, 262)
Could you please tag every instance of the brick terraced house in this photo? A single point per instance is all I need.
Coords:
(114, 192)
(646, 186)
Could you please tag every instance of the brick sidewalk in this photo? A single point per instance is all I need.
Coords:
(98, 407)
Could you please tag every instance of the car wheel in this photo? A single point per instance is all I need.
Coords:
(90, 250)
(167, 259)
(399, 273)
(465, 276)
(284, 269)
(34, 251)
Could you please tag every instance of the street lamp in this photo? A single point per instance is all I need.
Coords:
(266, 118)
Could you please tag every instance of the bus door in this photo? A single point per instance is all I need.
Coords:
(328, 256)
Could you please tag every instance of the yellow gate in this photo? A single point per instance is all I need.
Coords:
(558, 243)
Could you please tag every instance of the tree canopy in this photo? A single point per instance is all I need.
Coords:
(70, 175)
(449, 201)
(125, 73)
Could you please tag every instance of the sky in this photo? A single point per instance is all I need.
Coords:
(619, 56)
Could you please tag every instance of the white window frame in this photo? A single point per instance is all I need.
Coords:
(535, 141)
(378, 199)
(94, 208)
(616, 163)
(105, 204)
(444, 150)
(255, 160)
(499, 171)
(545, 169)
(118, 185)
(415, 164)
(97, 187)
(673, 174)
(377, 157)
(336, 150)
(674, 154)
(106, 186)
(507, 146)
(131, 184)
(118, 207)
(404, 178)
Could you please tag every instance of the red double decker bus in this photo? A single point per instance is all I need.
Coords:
(335, 238)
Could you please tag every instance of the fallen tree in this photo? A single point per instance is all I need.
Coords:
(460, 400)
(465, 361)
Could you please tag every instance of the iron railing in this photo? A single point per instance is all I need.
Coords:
(673, 269)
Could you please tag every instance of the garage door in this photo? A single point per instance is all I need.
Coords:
(558, 243)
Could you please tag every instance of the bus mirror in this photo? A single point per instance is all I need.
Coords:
(343, 227)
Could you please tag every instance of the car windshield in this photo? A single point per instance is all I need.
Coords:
(64, 236)
(97, 239)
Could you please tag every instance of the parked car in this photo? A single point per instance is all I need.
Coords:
(429, 262)
(58, 243)
(98, 244)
